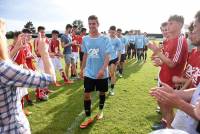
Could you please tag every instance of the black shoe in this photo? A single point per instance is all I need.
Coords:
(162, 125)
(30, 102)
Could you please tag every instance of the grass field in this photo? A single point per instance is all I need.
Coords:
(130, 111)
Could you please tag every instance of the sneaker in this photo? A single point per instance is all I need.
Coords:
(86, 123)
(112, 92)
(120, 76)
(30, 102)
(158, 110)
(99, 115)
(26, 112)
(57, 84)
(162, 125)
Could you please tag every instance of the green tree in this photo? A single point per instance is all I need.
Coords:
(78, 23)
(29, 25)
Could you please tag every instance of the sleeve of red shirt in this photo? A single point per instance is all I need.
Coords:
(181, 50)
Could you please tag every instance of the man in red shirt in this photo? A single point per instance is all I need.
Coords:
(173, 58)
(55, 54)
(75, 54)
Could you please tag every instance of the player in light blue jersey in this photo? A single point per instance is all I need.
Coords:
(115, 56)
(96, 48)
(140, 43)
(131, 50)
(124, 44)
(145, 47)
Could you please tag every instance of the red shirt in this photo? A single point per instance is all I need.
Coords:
(176, 50)
(20, 57)
(75, 46)
(54, 46)
(193, 68)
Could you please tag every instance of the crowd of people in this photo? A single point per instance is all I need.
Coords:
(101, 57)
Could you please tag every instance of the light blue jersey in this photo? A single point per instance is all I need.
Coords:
(96, 49)
(140, 41)
(124, 42)
(131, 38)
(116, 47)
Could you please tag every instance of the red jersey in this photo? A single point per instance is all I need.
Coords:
(29, 56)
(176, 50)
(75, 46)
(54, 46)
(19, 57)
(193, 67)
(36, 45)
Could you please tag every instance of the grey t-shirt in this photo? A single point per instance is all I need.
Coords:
(66, 39)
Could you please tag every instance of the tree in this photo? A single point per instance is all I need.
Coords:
(29, 25)
(78, 23)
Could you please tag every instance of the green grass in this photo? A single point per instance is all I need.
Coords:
(130, 111)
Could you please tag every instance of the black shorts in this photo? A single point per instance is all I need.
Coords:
(114, 61)
(81, 56)
(132, 45)
(95, 85)
(123, 57)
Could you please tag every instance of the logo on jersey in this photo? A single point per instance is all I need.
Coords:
(93, 53)
(193, 73)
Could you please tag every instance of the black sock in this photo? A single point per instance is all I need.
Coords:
(112, 86)
(101, 101)
(120, 70)
(87, 106)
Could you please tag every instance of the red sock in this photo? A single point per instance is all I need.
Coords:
(64, 76)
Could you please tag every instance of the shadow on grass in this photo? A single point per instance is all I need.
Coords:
(132, 66)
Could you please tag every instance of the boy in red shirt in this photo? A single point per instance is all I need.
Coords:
(173, 58)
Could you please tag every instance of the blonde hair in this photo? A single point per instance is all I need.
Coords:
(3, 41)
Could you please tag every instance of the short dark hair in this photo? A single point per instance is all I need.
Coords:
(93, 17)
(83, 29)
(113, 28)
(26, 30)
(75, 26)
(197, 16)
(177, 18)
(16, 34)
(40, 28)
(119, 30)
(55, 32)
(191, 27)
(68, 26)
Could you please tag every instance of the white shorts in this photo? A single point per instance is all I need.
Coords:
(56, 63)
(75, 57)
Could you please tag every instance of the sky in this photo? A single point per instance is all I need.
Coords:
(146, 15)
